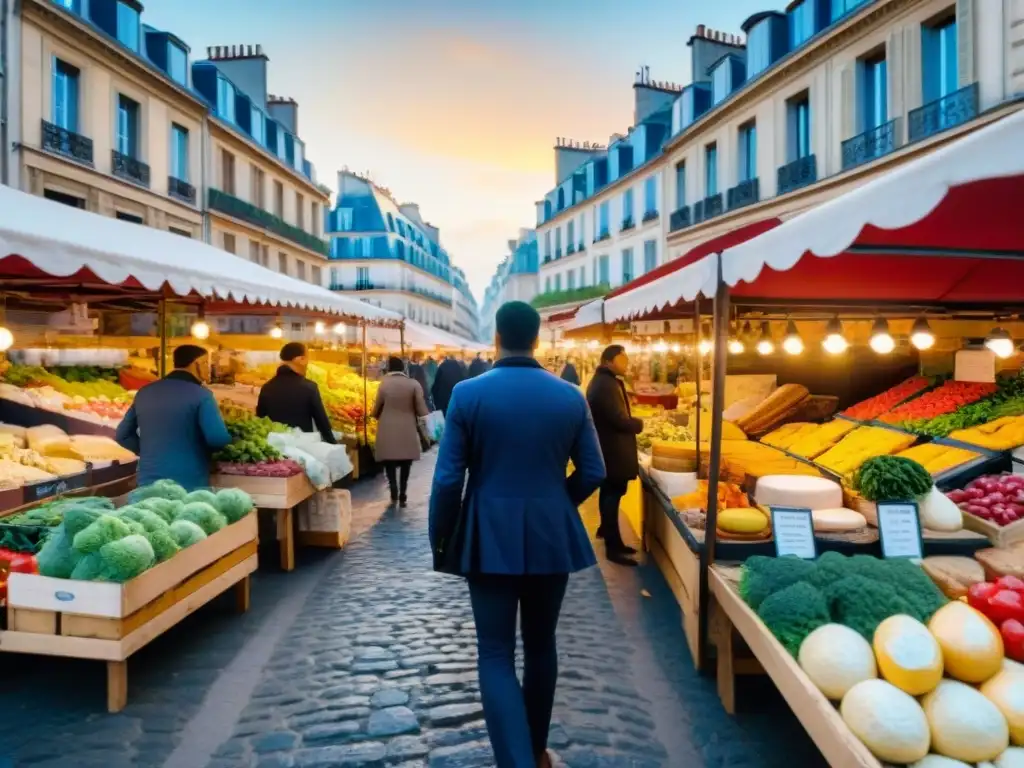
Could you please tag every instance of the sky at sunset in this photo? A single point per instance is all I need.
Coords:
(455, 104)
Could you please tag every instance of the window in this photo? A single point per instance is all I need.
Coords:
(316, 275)
(842, 7)
(177, 64)
(133, 218)
(547, 284)
(801, 23)
(225, 99)
(873, 93)
(570, 233)
(65, 95)
(391, 222)
(227, 172)
(604, 209)
(583, 277)
(315, 219)
(571, 280)
(345, 219)
(64, 199)
(179, 152)
(939, 66)
(71, 5)
(604, 270)
(362, 277)
(650, 255)
(367, 247)
(627, 207)
(759, 48)
(128, 26)
(254, 252)
(650, 195)
(265, 256)
(798, 119)
(680, 185)
(300, 269)
(282, 262)
(627, 265)
(179, 232)
(558, 243)
(547, 244)
(127, 139)
(300, 211)
(257, 183)
(279, 199)
(558, 282)
(228, 241)
(258, 125)
(710, 170)
(583, 227)
(721, 81)
(748, 152)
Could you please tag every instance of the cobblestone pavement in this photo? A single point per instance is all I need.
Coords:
(366, 658)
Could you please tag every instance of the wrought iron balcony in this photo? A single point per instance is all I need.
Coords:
(581, 247)
(679, 219)
(627, 224)
(799, 173)
(129, 169)
(873, 143)
(367, 285)
(708, 208)
(745, 193)
(570, 249)
(547, 259)
(942, 114)
(240, 209)
(181, 190)
(650, 216)
(605, 235)
(67, 143)
(558, 253)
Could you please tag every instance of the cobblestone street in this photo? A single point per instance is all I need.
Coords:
(366, 658)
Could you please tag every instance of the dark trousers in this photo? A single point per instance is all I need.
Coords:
(398, 477)
(517, 717)
(608, 501)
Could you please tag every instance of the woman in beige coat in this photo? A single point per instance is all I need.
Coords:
(399, 406)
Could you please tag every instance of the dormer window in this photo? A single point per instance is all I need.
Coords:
(128, 25)
(177, 64)
(225, 99)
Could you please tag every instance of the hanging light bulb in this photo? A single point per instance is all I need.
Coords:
(765, 345)
(881, 340)
(921, 335)
(835, 343)
(736, 347)
(705, 345)
(660, 347)
(1000, 342)
(339, 328)
(676, 348)
(792, 344)
(276, 332)
(200, 328)
(6, 338)
(593, 344)
(319, 328)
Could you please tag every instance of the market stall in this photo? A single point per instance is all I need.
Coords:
(922, 267)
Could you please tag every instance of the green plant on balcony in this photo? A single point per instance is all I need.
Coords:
(554, 298)
(247, 212)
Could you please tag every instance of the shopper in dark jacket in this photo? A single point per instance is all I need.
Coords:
(617, 431)
(477, 367)
(418, 373)
(293, 400)
(569, 373)
(449, 373)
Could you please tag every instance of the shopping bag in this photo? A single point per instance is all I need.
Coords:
(328, 511)
(433, 424)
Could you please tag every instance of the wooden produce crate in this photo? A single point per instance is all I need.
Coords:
(109, 622)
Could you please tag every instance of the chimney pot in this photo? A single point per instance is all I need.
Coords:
(700, 30)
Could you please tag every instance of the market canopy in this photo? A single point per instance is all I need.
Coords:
(47, 246)
(421, 337)
(591, 313)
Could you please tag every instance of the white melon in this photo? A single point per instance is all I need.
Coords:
(964, 724)
(938, 761)
(908, 655)
(802, 491)
(972, 648)
(891, 723)
(939, 513)
(837, 520)
(1011, 758)
(836, 658)
(1006, 691)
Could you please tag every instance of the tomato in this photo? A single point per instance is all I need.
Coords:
(1013, 639)
(978, 595)
(1011, 583)
(24, 563)
(1005, 604)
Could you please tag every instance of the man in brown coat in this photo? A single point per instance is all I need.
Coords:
(399, 407)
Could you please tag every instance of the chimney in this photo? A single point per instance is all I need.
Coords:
(709, 45)
(285, 111)
(246, 67)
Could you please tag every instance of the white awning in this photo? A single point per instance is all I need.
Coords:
(421, 337)
(587, 315)
(60, 241)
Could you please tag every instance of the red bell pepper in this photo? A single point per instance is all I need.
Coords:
(1005, 605)
(1011, 583)
(24, 563)
(1013, 639)
(978, 595)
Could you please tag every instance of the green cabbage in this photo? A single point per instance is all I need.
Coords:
(105, 529)
(207, 497)
(57, 558)
(161, 489)
(156, 531)
(126, 558)
(233, 503)
(89, 568)
(203, 515)
(186, 533)
(166, 508)
(80, 517)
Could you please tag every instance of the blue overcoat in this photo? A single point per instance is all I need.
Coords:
(508, 439)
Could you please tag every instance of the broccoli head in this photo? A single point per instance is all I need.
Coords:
(862, 603)
(207, 497)
(156, 531)
(764, 576)
(233, 503)
(161, 489)
(792, 613)
(203, 515)
(104, 529)
(916, 587)
(166, 508)
(186, 533)
(125, 558)
(80, 517)
(57, 558)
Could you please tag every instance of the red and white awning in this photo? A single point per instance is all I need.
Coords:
(589, 314)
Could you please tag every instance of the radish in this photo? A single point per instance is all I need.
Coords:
(957, 496)
(995, 498)
(974, 493)
(979, 511)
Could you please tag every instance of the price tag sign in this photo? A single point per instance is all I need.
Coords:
(793, 531)
(899, 528)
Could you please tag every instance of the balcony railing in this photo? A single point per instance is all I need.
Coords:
(708, 208)
(943, 114)
(240, 209)
(581, 247)
(627, 224)
(650, 216)
(367, 285)
(570, 249)
(128, 168)
(67, 143)
(745, 193)
(680, 219)
(558, 253)
(797, 174)
(873, 143)
(547, 259)
(605, 235)
(181, 190)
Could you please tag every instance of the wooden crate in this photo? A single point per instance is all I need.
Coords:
(269, 492)
(1000, 535)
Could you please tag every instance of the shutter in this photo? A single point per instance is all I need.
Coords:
(895, 66)
(847, 103)
(965, 21)
(912, 85)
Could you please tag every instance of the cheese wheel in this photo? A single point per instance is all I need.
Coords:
(891, 723)
(836, 658)
(964, 724)
(802, 491)
(1011, 758)
(972, 648)
(1006, 691)
(908, 656)
(742, 520)
(938, 761)
(838, 520)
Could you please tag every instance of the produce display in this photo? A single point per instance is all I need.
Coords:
(938, 458)
(873, 407)
(729, 497)
(661, 427)
(249, 453)
(1002, 602)
(863, 443)
(86, 391)
(999, 499)
(808, 440)
(95, 542)
(776, 409)
(1001, 434)
(918, 679)
(944, 399)
(1004, 398)
(891, 478)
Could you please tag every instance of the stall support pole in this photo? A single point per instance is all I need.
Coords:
(707, 554)
(401, 339)
(162, 322)
(366, 406)
(700, 374)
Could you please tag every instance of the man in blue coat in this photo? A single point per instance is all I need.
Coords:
(174, 425)
(516, 533)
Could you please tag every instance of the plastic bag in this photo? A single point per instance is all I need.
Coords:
(433, 425)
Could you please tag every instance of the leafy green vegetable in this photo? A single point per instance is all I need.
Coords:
(156, 530)
(233, 503)
(892, 478)
(89, 568)
(763, 576)
(203, 515)
(793, 613)
(126, 558)
(186, 533)
(862, 603)
(80, 517)
(166, 508)
(161, 489)
(57, 558)
(104, 529)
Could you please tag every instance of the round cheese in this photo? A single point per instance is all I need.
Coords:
(938, 761)
(802, 491)
(836, 658)
(742, 520)
(972, 648)
(1011, 758)
(964, 724)
(908, 655)
(890, 722)
(1006, 691)
(839, 520)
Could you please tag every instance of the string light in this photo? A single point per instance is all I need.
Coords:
(661, 347)
(1000, 343)
(705, 345)
(676, 348)
(319, 328)
(835, 343)
(921, 335)
(736, 347)
(792, 344)
(276, 332)
(339, 328)
(200, 328)
(881, 340)
(765, 346)
(6, 338)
